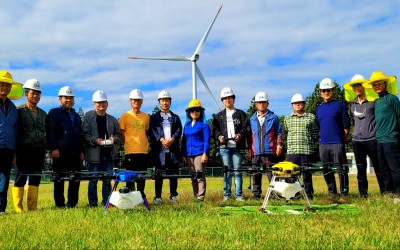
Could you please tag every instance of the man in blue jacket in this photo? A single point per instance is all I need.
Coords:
(165, 133)
(8, 134)
(334, 127)
(64, 138)
(266, 138)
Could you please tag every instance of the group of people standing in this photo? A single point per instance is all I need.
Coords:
(27, 132)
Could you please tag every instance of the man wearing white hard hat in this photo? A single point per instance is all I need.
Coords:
(165, 133)
(9, 90)
(134, 127)
(364, 140)
(102, 135)
(334, 127)
(65, 141)
(231, 128)
(266, 138)
(302, 135)
(387, 116)
(31, 145)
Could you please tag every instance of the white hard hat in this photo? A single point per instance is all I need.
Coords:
(261, 97)
(358, 77)
(326, 83)
(164, 94)
(225, 92)
(297, 98)
(136, 94)
(99, 96)
(66, 91)
(32, 84)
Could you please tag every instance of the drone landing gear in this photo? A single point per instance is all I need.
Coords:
(286, 183)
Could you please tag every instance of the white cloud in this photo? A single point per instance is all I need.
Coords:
(280, 47)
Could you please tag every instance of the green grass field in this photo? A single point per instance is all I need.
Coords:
(189, 225)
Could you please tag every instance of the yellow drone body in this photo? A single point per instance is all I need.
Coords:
(285, 168)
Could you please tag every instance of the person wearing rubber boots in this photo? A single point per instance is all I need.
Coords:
(31, 147)
(9, 90)
(102, 136)
(65, 141)
(334, 125)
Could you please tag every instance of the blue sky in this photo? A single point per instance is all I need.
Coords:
(281, 47)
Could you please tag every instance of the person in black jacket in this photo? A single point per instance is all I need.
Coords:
(64, 138)
(165, 133)
(230, 128)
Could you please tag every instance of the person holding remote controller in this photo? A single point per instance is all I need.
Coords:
(102, 135)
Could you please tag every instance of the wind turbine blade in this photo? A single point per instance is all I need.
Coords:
(168, 58)
(200, 75)
(203, 40)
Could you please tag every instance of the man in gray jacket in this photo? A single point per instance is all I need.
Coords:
(364, 141)
(102, 135)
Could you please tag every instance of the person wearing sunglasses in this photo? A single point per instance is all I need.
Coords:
(387, 116)
(334, 124)
(196, 146)
(364, 140)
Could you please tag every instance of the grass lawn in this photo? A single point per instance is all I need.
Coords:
(189, 225)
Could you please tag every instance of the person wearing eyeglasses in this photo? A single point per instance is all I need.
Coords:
(364, 140)
(387, 116)
(334, 124)
(196, 146)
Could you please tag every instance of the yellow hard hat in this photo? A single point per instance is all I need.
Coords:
(194, 104)
(16, 88)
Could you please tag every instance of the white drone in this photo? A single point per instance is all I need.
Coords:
(194, 58)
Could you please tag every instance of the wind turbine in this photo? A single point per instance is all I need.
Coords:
(194, 58)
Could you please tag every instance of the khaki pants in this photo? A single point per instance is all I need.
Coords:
(197, 170)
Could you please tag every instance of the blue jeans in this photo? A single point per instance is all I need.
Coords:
(6, 158)
(232, 159)
(105, 165)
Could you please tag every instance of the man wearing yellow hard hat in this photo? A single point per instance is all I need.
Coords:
(387, 116)
(364, 140)
(9, 89)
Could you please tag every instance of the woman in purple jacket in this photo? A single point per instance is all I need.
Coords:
(196, 146)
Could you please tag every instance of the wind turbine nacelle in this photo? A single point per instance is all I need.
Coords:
(195, 57)
(285, 188)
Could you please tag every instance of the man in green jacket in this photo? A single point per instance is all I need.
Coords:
(387, 116)
(31, 143)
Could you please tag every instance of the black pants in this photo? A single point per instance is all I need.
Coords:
(389, 158)
(257, 178)
(29, 160)
(137, 162)
(304, 160)
(6, 159)
(334, 155)
(173, 182)
(362, 149)
(66, 163)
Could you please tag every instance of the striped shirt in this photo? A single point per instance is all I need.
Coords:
(302, 133)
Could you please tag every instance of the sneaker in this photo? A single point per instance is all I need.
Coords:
(239, 198)
(2, 213)
(173, 199)
(226, 198)
(157, 201)
(344, 199)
